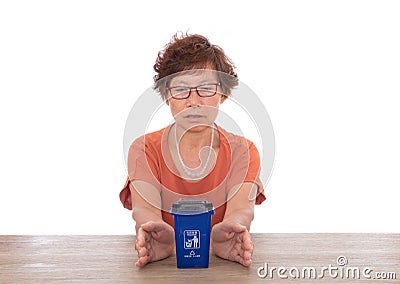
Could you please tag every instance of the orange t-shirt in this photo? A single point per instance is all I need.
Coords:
(150, 160)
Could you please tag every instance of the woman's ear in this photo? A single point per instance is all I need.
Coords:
(222, 99)
(166, 100)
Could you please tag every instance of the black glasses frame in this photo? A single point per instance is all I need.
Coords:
(197, 91)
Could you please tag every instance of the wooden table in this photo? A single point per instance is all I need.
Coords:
(110, 259)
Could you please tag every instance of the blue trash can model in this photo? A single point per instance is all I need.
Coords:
(192, 224)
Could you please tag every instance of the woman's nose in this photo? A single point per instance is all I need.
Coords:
(194, 99)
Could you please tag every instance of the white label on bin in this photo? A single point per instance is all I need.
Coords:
(191, 239)
(192, 254)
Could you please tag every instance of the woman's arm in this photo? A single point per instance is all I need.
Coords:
(154, 237)
(230, 239)
(146, 203)
(240, 205)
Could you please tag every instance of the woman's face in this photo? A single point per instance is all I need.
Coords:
(194, 113)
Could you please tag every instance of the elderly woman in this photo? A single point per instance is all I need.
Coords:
(193, 156)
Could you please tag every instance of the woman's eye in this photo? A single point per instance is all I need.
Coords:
(180, 89)
(207, 88)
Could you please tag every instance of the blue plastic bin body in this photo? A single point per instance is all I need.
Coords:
(192, 238)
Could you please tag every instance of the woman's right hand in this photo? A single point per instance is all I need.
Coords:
(154, 241)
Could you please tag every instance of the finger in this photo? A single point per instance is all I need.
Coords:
(229, 235)
(144, 257)
(243, 261)
(230, 226)
(147, 236)
(252, 248)
(152, 226)
(141, 236)
(149, 252)
(146, 247)
(243, 238)
(142, 252)
(142, 261)
(239, 238)
(246, 240)
(238, 228)
(246, 262)
(238, 248)
(244, 245)
(247, 255)
(147, 226)
(137, 246)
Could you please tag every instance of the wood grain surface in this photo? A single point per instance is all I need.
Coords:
(110, 259)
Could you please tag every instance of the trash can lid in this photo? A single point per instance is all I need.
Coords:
(192, 205)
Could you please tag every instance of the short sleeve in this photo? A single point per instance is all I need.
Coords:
(245, 167)
(142, 165)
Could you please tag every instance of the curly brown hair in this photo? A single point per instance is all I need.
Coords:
(188, 52)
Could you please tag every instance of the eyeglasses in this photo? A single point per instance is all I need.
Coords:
(204, 91)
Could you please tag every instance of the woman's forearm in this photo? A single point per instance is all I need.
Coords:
(143, 215)
(243, 216)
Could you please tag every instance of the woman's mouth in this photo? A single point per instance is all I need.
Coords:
(193, 116)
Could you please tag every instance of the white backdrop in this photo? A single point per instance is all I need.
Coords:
(327, 71)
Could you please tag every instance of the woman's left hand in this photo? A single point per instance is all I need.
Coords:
(232, 241)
